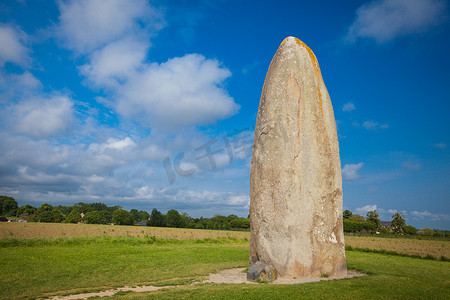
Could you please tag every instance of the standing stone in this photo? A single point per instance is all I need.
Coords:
(295, 177)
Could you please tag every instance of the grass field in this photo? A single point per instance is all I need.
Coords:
(41, 259)
(390, 277)
(62, 265)
(58, 230)
(413, 246)
(33, 268)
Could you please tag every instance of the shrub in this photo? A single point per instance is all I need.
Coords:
(411, 230)
(425, 232)
(357, 226)
(384, 230)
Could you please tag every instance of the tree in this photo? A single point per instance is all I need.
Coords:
(8, 206)
(122, 217)
(74, 216)
(347, 214)
(46, 216)
(372, 216)
(44, 208)
(239, 223)
(105, 216)
(83, 207)
(65, 210)
(143, 215)
(156, 219)
(174, 219)
(26, 209)
(135, 214)
(185, 218)
(92, 217)
(398, 224)
(57, 216)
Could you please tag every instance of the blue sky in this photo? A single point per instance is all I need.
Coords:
(153, 104)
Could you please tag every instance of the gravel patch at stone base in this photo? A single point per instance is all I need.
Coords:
(238, 276)
(229, 276)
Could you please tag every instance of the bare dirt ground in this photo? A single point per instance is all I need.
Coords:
(229, 276)
(239, 276)
(112, 292)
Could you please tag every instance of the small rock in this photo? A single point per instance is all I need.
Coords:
(263, 271)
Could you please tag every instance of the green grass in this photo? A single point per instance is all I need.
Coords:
(390, 277)
(32, 268)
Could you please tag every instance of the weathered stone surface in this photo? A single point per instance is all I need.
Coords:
(295, 178)
(263, 271)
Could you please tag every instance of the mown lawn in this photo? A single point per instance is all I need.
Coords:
(46, 266)
(389, 277)
(33, 268)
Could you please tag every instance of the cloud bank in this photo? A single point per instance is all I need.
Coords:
(385, 20)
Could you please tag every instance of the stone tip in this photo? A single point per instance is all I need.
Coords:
(294, 40)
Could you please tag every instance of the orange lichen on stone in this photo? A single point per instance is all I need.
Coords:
(316, 69)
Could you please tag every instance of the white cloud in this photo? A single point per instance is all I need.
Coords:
(427, 215)
(384, 213)
(366, 208)
(384, 20)
(115, 62)
(114, 144)
(411, 166)
(182, 92)
(350, 171)
(390, 211)
(41, 117)
(371, 125)
(25, 80)
(440, 145)
(239, 200)
(17, 86)
(12, 47)
(89, 24)
(348, 107)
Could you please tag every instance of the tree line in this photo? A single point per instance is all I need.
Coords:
(99, 213)
(372, 223)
